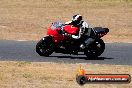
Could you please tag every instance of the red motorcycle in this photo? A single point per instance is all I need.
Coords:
(60, 41)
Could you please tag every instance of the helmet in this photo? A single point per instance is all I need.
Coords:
(76, 19)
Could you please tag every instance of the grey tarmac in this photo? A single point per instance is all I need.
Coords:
(115, 54)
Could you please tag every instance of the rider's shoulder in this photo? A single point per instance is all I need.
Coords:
(84, 22)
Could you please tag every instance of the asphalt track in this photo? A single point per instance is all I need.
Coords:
(115, 53)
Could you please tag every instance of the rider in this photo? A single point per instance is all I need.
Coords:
(84, 30)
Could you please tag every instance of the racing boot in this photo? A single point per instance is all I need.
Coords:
(82, 46)
(87, 43)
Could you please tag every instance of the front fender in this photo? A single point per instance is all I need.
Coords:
(47, 39)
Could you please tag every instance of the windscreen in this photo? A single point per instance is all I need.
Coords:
(56, 25)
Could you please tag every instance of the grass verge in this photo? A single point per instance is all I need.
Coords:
(54, 75)
(29, 19)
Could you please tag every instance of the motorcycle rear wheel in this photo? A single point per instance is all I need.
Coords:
(95, 49)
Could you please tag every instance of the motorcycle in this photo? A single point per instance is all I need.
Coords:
(59, 41)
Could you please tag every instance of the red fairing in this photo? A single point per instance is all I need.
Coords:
(59, 37)
(71, 29)
(54, 33)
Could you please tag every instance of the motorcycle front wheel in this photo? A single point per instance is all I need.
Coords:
(44, 48)
(95, 49)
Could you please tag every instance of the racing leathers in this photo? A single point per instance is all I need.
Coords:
(84, 30)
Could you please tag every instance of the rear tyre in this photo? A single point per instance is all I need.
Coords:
(95, 49)
(44, 48)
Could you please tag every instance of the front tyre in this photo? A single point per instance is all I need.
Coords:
(95, 49)
(44, 47)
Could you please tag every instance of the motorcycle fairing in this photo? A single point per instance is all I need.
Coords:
(54, 29)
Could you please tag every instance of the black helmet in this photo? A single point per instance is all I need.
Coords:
(76, 19)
